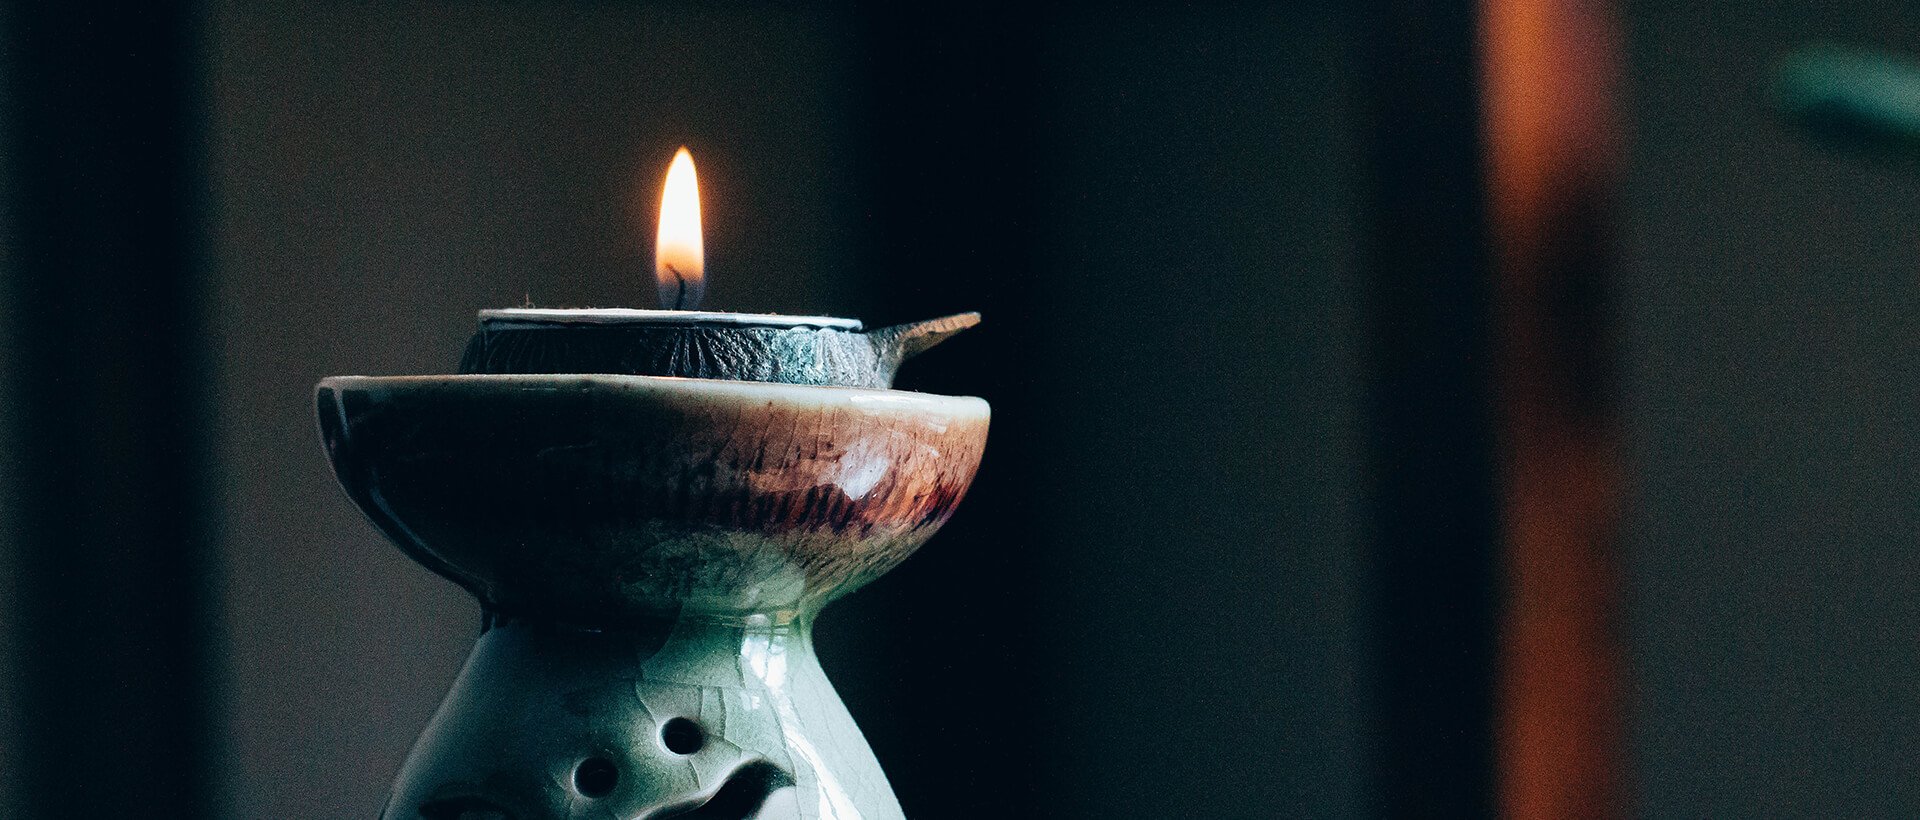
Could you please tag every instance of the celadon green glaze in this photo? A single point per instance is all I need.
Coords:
(650, 553)
(535, 703)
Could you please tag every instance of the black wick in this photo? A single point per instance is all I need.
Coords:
(679, 299)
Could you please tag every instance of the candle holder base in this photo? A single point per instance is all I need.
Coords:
(683, 719)
(651, 553)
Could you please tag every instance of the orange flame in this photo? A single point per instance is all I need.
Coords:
(679, 257)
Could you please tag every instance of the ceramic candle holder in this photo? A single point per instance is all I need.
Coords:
(650, 553)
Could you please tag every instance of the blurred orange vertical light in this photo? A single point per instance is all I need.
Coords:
(1549, 70)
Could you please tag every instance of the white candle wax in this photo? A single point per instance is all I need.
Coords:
(511, 318)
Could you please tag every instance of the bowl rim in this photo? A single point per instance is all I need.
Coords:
(863, 399)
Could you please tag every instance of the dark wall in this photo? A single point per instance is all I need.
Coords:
(1201, 415)
(103, 509)
(1771, 312)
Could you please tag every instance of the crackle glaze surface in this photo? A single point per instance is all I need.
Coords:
(602, 499)
(650, 552)
(538, 704)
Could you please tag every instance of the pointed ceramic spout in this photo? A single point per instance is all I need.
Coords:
(898, 343)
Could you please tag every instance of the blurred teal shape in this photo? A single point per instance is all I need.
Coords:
(1854, 98)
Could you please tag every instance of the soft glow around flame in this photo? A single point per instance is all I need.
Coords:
(679, 258)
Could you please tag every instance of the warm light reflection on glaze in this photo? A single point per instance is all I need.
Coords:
(763, 653)
(670, 494)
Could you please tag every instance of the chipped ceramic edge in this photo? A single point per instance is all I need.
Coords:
(866, 399)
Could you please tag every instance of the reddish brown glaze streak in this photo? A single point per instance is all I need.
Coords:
(602, 498)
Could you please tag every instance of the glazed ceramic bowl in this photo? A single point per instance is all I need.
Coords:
(599, 499)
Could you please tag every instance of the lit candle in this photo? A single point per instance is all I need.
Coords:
(680, 340)
(679, 252)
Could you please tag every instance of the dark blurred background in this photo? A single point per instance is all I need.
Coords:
(1426, 409)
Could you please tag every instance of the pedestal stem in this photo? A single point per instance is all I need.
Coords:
(689, 718)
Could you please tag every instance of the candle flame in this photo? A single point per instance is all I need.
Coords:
(679, 257)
